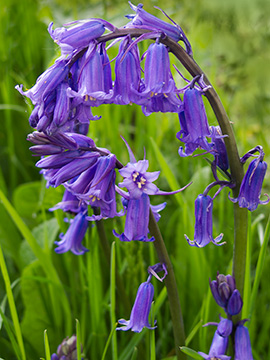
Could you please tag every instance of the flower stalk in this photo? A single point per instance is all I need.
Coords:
(237, 172)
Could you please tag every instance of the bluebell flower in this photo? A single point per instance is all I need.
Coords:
(47, 82)
(127, 73)
(140, 311)
(78, 34)
(203, 223)
(54, 357)
(219, 149)
(160, 103)
(218, 348)
(91, 80)
(57, 143)
(138, 180)
(148, 21)
(69, 203)
(242, 345)
(193, 123)
(158, 90)
(137, 220)
(96, 187)
(65, 166)
(74, 153)
(220, 340)
(251, 186)
(72, 239)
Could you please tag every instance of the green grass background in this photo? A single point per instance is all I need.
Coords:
(42, 290)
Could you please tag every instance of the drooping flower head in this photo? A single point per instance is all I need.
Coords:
(78, 34)
(193, 122)
(159, 91)
(142, 305)
(72, 239)
(91, 80)
(137, 220)
(203, 223)
(242, 345)
(149, 21)
(138, 182)
(251, 186)
(220, 340)
(140, 311)
(219, 149)
(96, 187)
(47, 82)
(127, 73)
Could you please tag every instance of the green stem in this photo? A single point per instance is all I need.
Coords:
(236, 167)
(170, 283)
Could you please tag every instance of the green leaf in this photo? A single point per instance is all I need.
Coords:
(259, 268)
(47, 346)
(191, 353)
(26, 199)
(37, 311)
(45, 235)
(12, 306)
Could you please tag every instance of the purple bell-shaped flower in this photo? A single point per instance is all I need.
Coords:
(203, 223)
(140, 311)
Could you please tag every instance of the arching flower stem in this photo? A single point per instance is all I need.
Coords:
(237, 172)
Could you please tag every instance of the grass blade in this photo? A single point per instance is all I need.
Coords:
(259, 268)
(12, 305)
(191, 353)
(47, 346)
(10, 335)
(108, 341)
(112, 309)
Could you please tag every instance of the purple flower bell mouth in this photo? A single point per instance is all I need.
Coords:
(203, 223)
(72, 240)
(127, 74)
(194, 123)
(140, 311)
(251, 186)
(91, 80)
(242, 345)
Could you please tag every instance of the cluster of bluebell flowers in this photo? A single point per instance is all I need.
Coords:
(80, 79)
(63, 98)
(228, 297)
